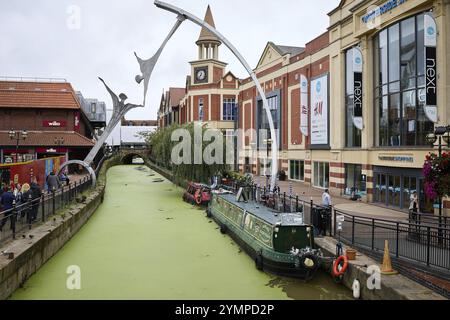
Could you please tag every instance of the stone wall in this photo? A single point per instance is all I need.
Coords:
(48, 238)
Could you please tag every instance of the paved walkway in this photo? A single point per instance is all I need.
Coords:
(306, 192)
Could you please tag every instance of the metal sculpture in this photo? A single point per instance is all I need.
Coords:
(186, 15)
(147, 66)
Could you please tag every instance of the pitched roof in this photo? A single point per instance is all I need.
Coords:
(46, 95)
(205, 34)
(47, 139)
(176, 95)
(288, 49)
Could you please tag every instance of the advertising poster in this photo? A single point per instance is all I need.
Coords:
(304, 127)
(319, 111)
(430, 68)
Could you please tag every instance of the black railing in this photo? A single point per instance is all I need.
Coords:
(317, 215)
(31, 212)
(423, 243)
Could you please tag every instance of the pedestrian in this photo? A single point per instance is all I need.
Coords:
(53, 181)
(7, 202)
(64, 178)
(413, 206)
(35, 198)
(26, 196)
(326, 199)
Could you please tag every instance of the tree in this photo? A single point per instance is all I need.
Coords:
(162, 147)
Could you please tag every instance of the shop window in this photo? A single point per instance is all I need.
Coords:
(297, 170)
(353, 134)
(355, 181)
(400, 84)
(321, 175)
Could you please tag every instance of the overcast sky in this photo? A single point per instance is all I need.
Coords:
(41, 38)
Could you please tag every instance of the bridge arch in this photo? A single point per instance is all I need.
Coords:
(127, 158)
(84, 165)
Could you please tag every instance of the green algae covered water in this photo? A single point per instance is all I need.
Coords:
(144, 242)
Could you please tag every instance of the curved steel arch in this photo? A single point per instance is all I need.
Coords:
(201, 23)
(85, 165)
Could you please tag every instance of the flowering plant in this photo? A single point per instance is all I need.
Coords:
(437, 175)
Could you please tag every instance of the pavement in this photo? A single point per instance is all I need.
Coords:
(357, 208)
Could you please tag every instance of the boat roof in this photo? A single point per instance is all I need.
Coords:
(259, 210)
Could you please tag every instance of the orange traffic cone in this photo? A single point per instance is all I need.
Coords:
(386, 267)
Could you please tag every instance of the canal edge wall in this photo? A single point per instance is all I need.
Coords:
(393, 287)
(30, 254)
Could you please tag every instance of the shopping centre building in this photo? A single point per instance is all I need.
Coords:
(352, 108)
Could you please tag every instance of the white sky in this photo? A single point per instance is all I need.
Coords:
(37, 42)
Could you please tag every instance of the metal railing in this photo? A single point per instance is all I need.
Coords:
(317, 215)
(423, 243)
(32, 212)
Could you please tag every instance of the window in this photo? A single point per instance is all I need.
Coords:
(400, 85)
(93, 107)
(321, 175)
(353, 134)
(229, 110)
(354, 180)
(200, 109)
(263, 123)
(297, 170)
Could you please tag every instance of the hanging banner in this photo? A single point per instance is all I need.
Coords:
(319, 111)
(304, 127)
(358, 89)
(76, 125)
(430, 68)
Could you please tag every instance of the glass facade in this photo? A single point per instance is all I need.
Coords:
(321, 175)
(399, 67)
(352, 134)
(263, 123)
(297, 170)
(394, 187)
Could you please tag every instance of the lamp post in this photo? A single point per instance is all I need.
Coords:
(440, 134)
(17, 135)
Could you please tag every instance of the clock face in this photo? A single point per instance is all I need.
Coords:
(201, 75)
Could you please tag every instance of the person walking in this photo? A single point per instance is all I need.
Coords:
(413, 206)
(53, 181)
(36, 194)
(7, 200)
(326, 199)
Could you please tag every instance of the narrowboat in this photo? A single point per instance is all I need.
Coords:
(280, 243)
(197, 193)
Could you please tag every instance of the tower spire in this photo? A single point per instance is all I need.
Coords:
(207, 42)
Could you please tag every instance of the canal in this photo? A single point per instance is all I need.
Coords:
(144, 242)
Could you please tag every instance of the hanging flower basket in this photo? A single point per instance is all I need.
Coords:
(437, 175)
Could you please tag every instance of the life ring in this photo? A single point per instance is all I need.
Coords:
(198, 197)
(336, 272)
(309, 261)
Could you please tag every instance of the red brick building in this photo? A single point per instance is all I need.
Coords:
(50, 113)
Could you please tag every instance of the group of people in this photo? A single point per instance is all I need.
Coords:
(18, 196)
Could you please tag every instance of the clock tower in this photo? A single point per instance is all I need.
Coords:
(207, 69)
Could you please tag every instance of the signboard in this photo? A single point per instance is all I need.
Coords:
(54, 124)
(76, 125)
(358, 88)
(430, 68)
(304, 127)
(319, 111)
(381, 10)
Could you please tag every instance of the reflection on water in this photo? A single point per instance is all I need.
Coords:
(144, 242)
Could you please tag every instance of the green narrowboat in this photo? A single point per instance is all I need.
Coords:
(280, 243)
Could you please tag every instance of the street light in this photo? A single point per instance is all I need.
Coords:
(268, 143)
(17, 135)
(440, 133)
